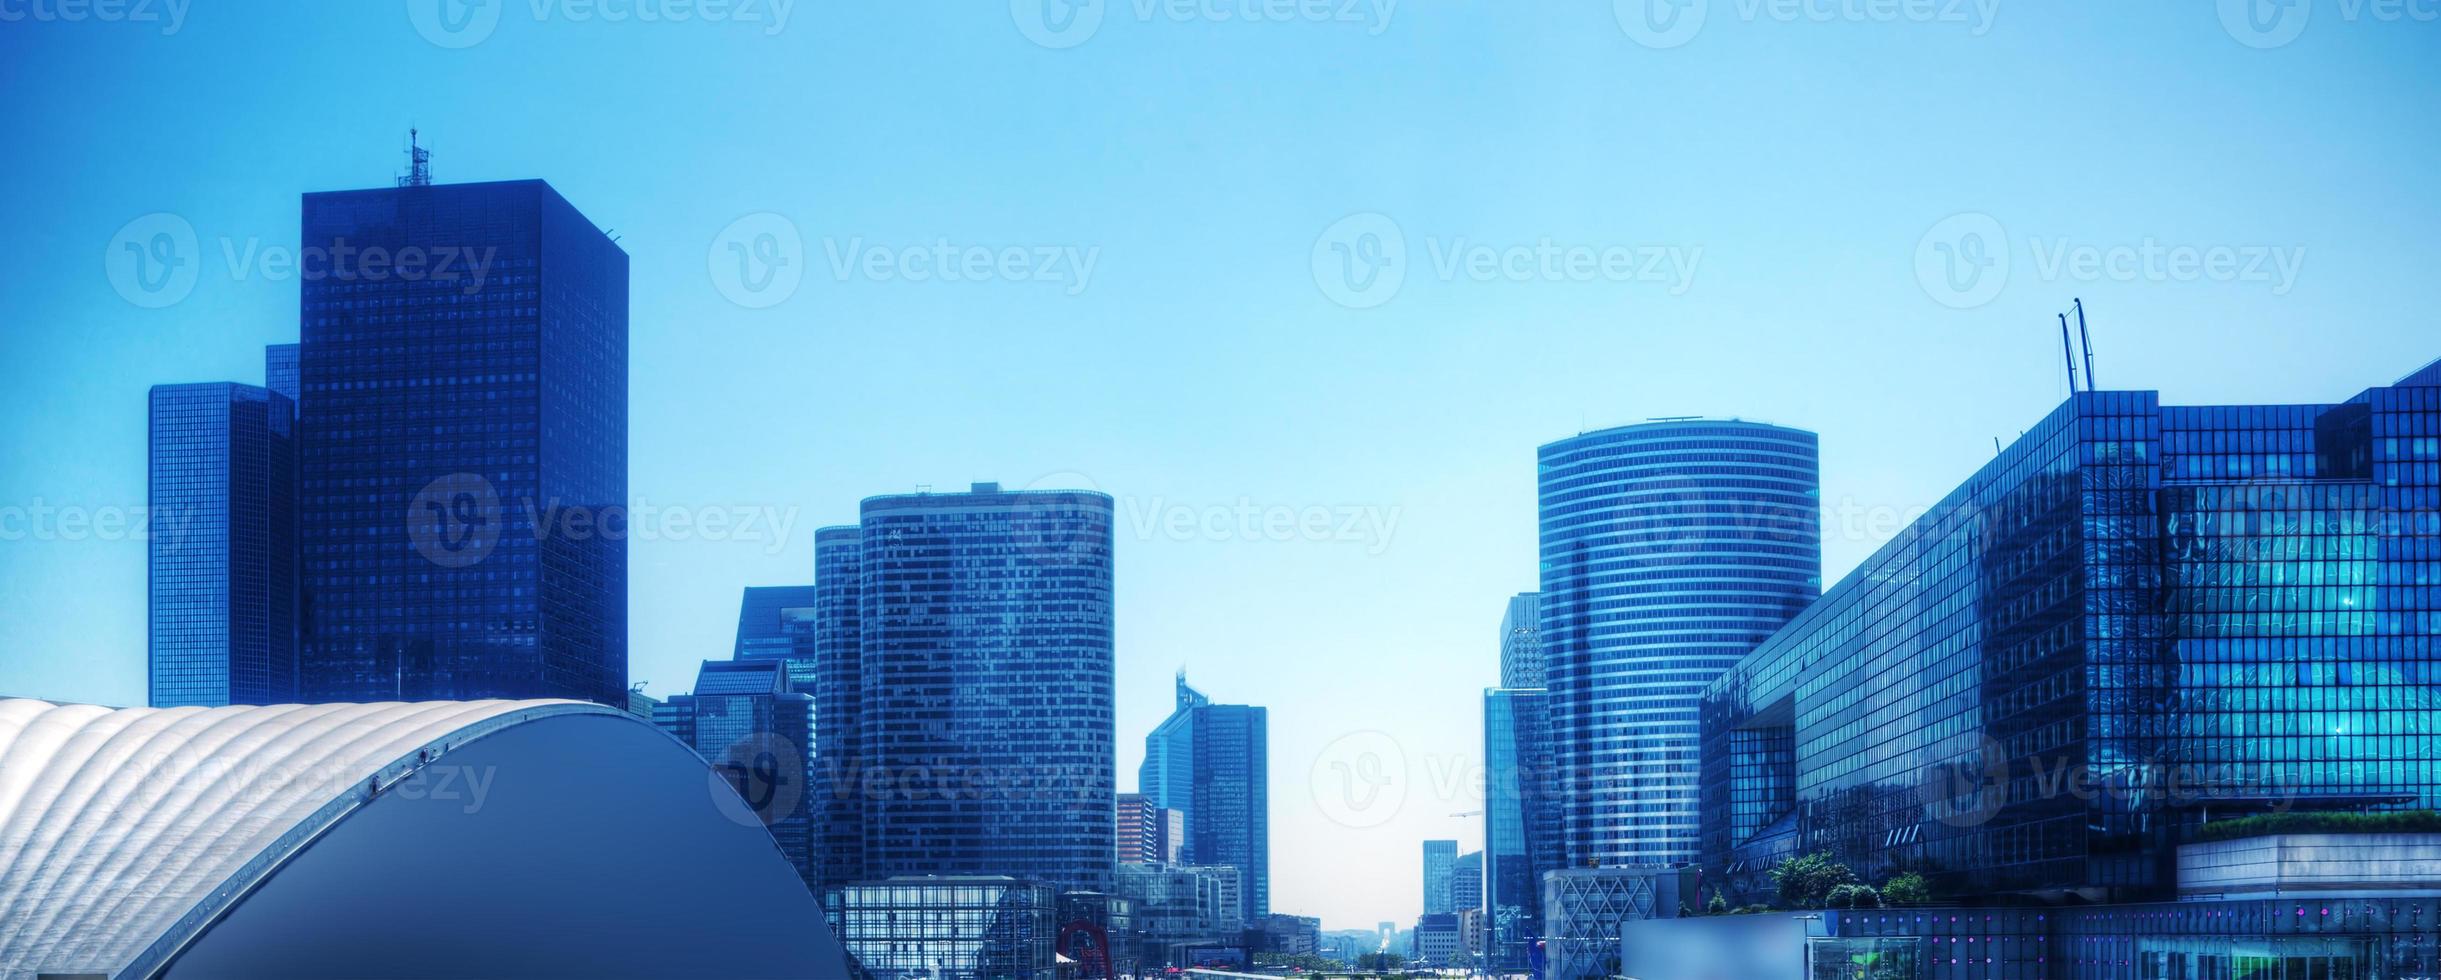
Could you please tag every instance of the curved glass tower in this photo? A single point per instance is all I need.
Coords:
(1669, 550)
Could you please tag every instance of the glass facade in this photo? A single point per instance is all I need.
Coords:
(2136, 614)
(949, 928)
(1440, 862)
(1521, 646)
(221, 566)
(745, 720)
(1177, 907)
(838, 699)
(1669, 550)
(1521, 823)
(985, 660)
(1211, 763)
(463, 363)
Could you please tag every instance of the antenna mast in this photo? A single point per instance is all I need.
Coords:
(2085, 340)
(419, 164)
(2068, 353)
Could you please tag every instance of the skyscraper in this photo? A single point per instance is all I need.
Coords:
(1669, 550)
(1212, 762)
(1521, 826)
(280, 370)
(1440, 861)
(463, 368)
(1466, 882)
(745, 721)
(1521, 645)
(1150, 833)
(777, 622)
(986, 696)
(221, 559)
(838, 698)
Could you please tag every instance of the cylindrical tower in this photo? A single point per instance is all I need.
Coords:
(1669, 550)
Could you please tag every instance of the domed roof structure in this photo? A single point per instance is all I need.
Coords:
(490, 838)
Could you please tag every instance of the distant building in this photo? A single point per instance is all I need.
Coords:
(642, 705)
(280, 371)
(1669, 550)
(777, 622)
(1212, 762)
(745, 721)
(950, 927)
(221, 487)
(839, 703)
(1521, 827)
(1150, 834)
(464, 461)
(1466, 882)
(1291, 935)
(1178, 907)
(1437, 941)
(1440, 863)
(1521, 644)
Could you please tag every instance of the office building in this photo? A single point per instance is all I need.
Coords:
(839, 788)
(1521, 644)
(2185, 611)
(1466, 882)
(1292, 935)
(1521, 823)
(951, 927)
(1150, 834)
(1180, 907)
(747, 722)
(280, 371)
(220, 553)
(1669, 550)
(477, 401)
(1211, 762)
(985, 700)
(777, 622)
(1437, 939)
(1440, 863)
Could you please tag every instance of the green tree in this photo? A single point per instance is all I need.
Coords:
(1719, 905)
(1806, 882)
(1852, 896)
(1907, 889)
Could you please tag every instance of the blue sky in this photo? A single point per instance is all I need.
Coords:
(1353, 267)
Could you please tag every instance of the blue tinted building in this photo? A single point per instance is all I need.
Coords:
(1521, 643)
(280, 371)
(1440, 861)
(1211, 763)
(221, 560)
(1521, 828)
(2138, 615)
(1669, 550)
(463, 368)
(838, 703)
(745, 720)
(985, 711)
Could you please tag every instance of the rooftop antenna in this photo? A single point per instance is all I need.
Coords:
(2068, 352)
(2086, 341)
(419, 164)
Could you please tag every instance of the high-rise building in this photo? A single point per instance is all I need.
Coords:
(777, 622)
(280, 370)
(221, 559)
(985, 702)
(1440, 862)
(1466, 882)
(1149, 833)
(2139, 616)
(1669, 550)
(1521, 826)
(838, 701)
(1211, 761)
(745, 721)
(463, 370)
(1521, 645)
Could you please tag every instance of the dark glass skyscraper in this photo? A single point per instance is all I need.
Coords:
(1212, 762)
(1521, 827)
(745, 721)
(1669, 549)
(778, 622)
(2138, 613)
(1521, 643)
(986, 711)
(464, 374)
(838, 703)
(280, 370)
(222, 575)
(1440, 861)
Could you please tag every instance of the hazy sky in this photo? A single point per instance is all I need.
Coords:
(1302, 290)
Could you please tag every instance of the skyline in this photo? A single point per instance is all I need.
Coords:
(1225, 372)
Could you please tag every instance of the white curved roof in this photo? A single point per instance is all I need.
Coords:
(124, 832)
